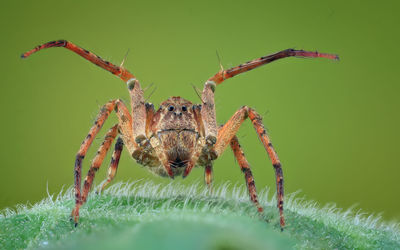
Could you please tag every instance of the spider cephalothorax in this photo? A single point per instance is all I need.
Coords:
(176, 131)
(179, 135)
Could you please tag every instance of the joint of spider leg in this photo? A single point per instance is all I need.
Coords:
(149, 105)
(79, 159)
(76, 172)
(131, 83)
(211, 140)
(140, 138)
(276, 165)
(211, 84)
(246, 170)
(251, 184)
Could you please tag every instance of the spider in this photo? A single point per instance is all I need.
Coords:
(178, 136)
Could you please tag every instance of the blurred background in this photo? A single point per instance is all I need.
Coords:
(334, 124)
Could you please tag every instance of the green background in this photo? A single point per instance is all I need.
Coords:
(335, 125)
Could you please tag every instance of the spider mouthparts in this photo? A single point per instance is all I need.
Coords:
(178, 163)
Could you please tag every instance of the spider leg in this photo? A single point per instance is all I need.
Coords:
(96, 163)
(98, 160)
(112, 169)
(207, 97)
(125, 127)
(115, 70)
(226, 74)
(229, 130)
(135, 91)
(245, 167)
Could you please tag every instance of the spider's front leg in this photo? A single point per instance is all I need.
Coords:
(207, 97)
(132, 127)
(138, 118)
(217, 142)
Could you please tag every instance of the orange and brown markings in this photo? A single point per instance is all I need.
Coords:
(178, 136)
(259, 127)
(98, 124)
(174, 134)
(228, 131)
(245, 167)
(118, 71)
(112, 169)
(98, 160)
(125, 125)
(125, 122)
(229, 73)
(111, 134)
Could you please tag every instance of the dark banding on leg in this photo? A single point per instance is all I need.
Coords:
(245, 167)
(112, 169)
(98, 124)
(229, 73)
(259, 127)
(98, 160)
(120, 72)
(227, 132)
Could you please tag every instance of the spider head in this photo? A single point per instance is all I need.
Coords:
(176, 113)
(177, 130)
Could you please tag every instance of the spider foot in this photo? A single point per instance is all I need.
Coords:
(75, 215)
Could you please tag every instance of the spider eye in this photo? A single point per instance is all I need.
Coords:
(171, 108)
(184, 108)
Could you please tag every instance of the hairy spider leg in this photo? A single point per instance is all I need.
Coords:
(209, 116)
(226, 74)
(229, 130)
(112, 169)
(135, 91)
(115, 70)
(125, 122)
(96, 163)
(138, 116)
(208, 108)
(98, 160)
(245, 167)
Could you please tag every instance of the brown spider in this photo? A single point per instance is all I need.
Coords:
(179, 135)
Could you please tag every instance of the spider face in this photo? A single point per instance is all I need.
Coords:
(176, 113)
(177, 131)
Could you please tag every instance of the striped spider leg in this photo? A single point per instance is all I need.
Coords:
(131, 126)
(220, 139)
